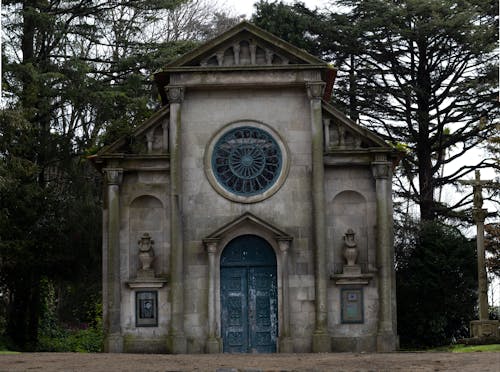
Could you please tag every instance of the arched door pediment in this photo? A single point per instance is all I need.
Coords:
(247, 223)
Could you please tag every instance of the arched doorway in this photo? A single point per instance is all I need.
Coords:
(249, 296)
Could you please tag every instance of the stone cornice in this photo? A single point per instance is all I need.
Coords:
(205, 69)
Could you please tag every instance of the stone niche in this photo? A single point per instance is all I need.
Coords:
(350, 213)
(146, 217)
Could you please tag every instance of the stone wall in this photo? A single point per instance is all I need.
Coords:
(144, 209)
(351, 204)
(204, 113)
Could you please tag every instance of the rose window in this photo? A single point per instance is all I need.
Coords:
(246, 161)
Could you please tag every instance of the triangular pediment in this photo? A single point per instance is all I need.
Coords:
(345, 134)
(147, 138)
(248, 218)
(245, 45)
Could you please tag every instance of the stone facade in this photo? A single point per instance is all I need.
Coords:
(298, 174)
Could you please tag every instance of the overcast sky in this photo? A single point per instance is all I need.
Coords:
(246, 6)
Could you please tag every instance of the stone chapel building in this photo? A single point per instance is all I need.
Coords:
(248, 214)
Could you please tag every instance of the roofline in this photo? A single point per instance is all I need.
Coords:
(356, 127)
(244, 25)
(152, 120)
(161, 76)
(243, 68)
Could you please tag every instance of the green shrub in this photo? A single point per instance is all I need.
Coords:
(436, 284)
(70, 340)
(52, 336)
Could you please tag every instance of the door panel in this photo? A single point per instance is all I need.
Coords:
(263, 309)
(249, 295)
(234, 309)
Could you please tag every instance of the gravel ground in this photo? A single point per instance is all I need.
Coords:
(477, 362)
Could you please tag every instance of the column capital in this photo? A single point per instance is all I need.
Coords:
(479, 214)
(175, 93)
(283, 243)
(211, 245)
(114, 176)
(315, 89)
(381, 169)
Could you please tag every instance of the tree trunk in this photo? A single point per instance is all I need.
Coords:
(24, 307)
(424, 145)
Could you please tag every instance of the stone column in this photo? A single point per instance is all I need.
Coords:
(114, 340)
(286, 342)
(386, 340)
(484, 327)
(479, 215)
(213, 343)
(326, 126)
(321, 339)
(177, 340)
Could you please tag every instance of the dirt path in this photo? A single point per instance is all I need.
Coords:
(477, 362)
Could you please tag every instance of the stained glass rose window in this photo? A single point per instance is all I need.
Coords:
(246, 161)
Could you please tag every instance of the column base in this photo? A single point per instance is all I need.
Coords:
(213, 346)
(177, 344)
(113, 343)
(286, 345)
(387, 342)
(321, 343)
(484, 328)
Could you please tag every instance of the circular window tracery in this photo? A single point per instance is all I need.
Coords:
(246, 161)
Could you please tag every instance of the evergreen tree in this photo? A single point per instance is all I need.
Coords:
(492, 246)
(436, 281)
(420, 73)
(428, 78)
(72, 69)
(292, 23)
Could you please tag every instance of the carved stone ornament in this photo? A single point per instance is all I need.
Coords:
(341, 131)
(478, 191)
(315, 89)
(146, 252)
(114, 176)
(351, 272)
(175, 94)
(211, 245)
(283, 243)
(350, 248)
(244, 52)
(380, 169)
(479, 214)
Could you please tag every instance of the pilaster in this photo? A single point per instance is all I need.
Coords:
(321, 339)
(114, 340)
(177, 340)
(286, 342)
(213, 344)
(386, 336)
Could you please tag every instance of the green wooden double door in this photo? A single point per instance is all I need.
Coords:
(249, 296)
